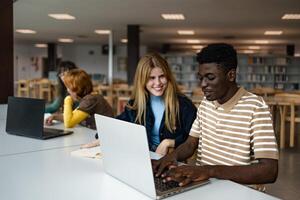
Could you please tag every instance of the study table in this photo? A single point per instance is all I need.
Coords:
(3, 109)
(12, 144)
(56, 175)
(32, 169)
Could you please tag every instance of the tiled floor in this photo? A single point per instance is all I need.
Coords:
(287, 186)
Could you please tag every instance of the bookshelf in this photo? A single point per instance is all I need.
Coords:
(184, 68)
(279, 72)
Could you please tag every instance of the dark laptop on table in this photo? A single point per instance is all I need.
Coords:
(127, 158)
(25, 117)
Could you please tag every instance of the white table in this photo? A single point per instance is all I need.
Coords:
(3, 110)
(55, 174)
(11, 144)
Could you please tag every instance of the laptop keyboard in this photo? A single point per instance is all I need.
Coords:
(52, 131)
(161, 186)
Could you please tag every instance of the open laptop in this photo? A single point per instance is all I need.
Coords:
(25, 117)
(127, 158)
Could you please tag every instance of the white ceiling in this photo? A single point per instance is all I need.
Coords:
(212, 20)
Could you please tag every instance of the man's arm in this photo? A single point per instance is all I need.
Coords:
(265, 171)
(183, 152)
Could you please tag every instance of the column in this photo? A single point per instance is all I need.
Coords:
(133, 51)
(6, 51)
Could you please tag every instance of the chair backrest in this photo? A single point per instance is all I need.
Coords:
(264, 91)
(44, 86)
(287, 102)
(121, 103)
(23, 88)
(288, 98)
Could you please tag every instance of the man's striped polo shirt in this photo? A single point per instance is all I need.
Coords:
(236, 132)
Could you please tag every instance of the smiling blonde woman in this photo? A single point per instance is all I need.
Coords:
(157, 103)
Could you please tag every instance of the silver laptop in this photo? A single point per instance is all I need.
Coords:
(127, 158)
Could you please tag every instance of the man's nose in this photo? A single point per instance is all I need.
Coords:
(203, 83)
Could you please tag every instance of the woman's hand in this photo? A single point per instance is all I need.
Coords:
(91, 144)
(164, 146)
(55, 116)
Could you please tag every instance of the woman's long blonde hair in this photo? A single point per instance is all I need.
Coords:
(140, 94)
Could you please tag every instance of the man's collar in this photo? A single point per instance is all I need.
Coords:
(228, 105)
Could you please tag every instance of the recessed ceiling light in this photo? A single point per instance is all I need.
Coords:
(291, 16)
(254, 47)
(65, 40)
(273, 32)
(248, 51)
(193, 41)
(41, 45)
(197, 47)
(62, 16)
(124, 40)
(186, 32)
(261, 42)
(26, 31)
(173, 16)
(102, 32)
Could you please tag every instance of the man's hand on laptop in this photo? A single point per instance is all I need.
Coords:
(186, 174)
(167, 162)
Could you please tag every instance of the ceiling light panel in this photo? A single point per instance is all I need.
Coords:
(26, 31)
(102, 32)
(197, 47)
(273, 32)
(62, 16)
(261, 42)
(248, 51)
(254, 47)
(291, 16)
(124, 40)
(41, 45)
(65, 40)
(186, 32)
(173, 16)
(193, 41)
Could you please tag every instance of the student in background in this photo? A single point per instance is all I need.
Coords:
(61, 88)
(233, 132)
(80, 87)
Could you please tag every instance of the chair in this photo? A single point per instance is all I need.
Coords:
(264, 91)
(121, 103)
(109, 99)
(287, 102)
(23, 88)
(122, 89)
(44, 86)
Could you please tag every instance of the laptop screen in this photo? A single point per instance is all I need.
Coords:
(125, 153)
(25, 116)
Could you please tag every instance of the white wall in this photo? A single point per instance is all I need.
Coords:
(87, 56)
(27, 61)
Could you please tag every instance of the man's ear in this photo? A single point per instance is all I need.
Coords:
(231, 75)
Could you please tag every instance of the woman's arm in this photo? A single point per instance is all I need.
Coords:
(188, 113)
(72, 118)
(54, 106)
